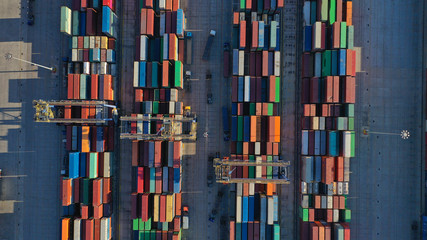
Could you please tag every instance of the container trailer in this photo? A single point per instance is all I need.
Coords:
(208, 45)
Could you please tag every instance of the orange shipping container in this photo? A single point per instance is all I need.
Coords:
(143, 29)
(169, 5)
(106, 190)
(70, 92)
(327, 170)
(108, 87)
(236, 18)
(181, 49)
(173, 47)
(271, 130)
(339, 169)
(270, 189)
(245, 148)
(351, 62)
(258, 109)
(76, 86)
(85, 112)
(254, 34)
(65, 229)
(175, 5)
(276, 129)
(242, 34)
(165, 78)
(253, 129)
(248, 4)
(264, 63)
(67, 112)
(85, 139)
(150, 22)
(321, 230)
(245, 189)
(272, 89)
(349, 13)
(178, 202)
(66, 186)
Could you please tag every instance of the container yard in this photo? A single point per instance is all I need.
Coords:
(193, 119)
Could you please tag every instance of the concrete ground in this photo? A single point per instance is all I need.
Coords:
(385, 185)
(29, 152)
(202, 16)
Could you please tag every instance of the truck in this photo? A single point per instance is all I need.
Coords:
(208, 46)
(209, 87)
(225, 123)
(189, 47)
(226, 60)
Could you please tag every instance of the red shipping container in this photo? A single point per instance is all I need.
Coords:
(346, 227)
(85, 112)
(234, 88)
(108, 87)
(336, 89)
(250, 231)
(175, 5)
(272, 89)
(327, 170)
(157, 154)
(246, 189)
(307, 65)
(242, 34)
(181, 49)
(341, 204)
(323, 37)
(314, 231)
(351, 63)
(264, 63)
(177, 223)
(91, 18)
(110, 3)
(134, 205)
(106, 190)
(76, 86)
(140, 183)
(162, 216)
(98, 211)
(88, 229)
(112, 43)
(165, 73)
(94, 86)
(97, 192)
(314, 90)
(349, 89)
(135, 153)
(317, 201)
(329, 89)
(339, 169)
(336, 37)
(70, 87)
(168, 5)
(144, 207)
(80, 42)
(67, 112)
(143, 22)
(254, 40)
(159, 179)
(176, 154)
(84, 211)
(178, 203)
(304, 230)
(329, 215)
(321, 230)
(97, 229)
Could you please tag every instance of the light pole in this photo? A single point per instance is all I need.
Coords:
(9, 57)
(404, 134)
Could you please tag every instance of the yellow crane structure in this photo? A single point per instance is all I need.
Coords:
(53, 111)
(179, 127)
(224, 168)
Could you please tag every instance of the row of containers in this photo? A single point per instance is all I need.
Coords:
(158, 76)
(86, 186)
(328, 89)
(255, 118)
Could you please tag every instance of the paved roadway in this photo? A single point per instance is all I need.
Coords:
(202, 16)
(385, 184)
(29, 204)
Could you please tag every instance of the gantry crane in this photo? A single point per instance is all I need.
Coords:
(179, 127)
(53, 111)
(224, 170)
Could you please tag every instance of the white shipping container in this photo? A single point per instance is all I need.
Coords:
(139, 125)
(257, 148)
(336, 216)
(303, 187)
(346, 145)
(143, 43)
(323, 202)
(330, 204)
(174, 94)
(304, 142)
(306, 13)
(86, 68)
(74, 55)
(135, 74)
(251, 189)
(171, 107)
(105, 228)
(247, 89)
(107, 164)
(258, 170)
(317, 64)
(103, 68)
(162, 4)
(239, 189)
(321, 123)
(304, 201)
(345, 190)
(317, 36)
(76, 230)
(92, 42)
(238, 209)
(339, 188)
(241, 63)
(346, 169)
(270, 211)
(277, 63)
(315, 123)
(86, 41)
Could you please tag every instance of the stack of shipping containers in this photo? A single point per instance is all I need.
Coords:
(86, 194)
(255, 120)
(327, 122)
(158, 77)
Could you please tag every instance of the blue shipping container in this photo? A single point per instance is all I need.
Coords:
(234, 109)
(235, 62)
(82, 165)
(180, 23)
(240, 90)
(73, 162)
(308, 30)
(142, 74)
(276, 208)
(322, 143)
(106, 20)
(100, 139)
(333, 144)
(245, 205)
(263, 209)
(261, 34)
(245, 231)
(165, 179)
(234, 128)
(225, 120)
(342, 62)
(251, 208)
(318, 169)
(82, 23)
(316, 142)
(247, 129)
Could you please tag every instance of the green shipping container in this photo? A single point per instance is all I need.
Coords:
(161, 49)
(140, 224)
(154, 75)
(276, 232)
(313, 12)
(178, 74)
(242, 4)
(303, 214)
(135, 225)
(349, 110)
(74, 42)
(353, 145)
(155, 107)
(147, 235)
(141, 235)
(277, 99)
(141, 4)
(350, 124)
(85, 190)
(332, 11)
(260, 6)
(269, 109)
(153, 234)
(350, 37)
(238, 231)
(76, 19)
(147, 224)
(240, 128)
(156, 94)
(251, 168)
(83, 86)
(152, 180)
(324, 11)
(86, 42)
(343, 38)
(273, 34)
(345, 215)
(65, 20)
(93, 165)
(165, 226)
(326, 63)
(341, 123)
(252, 109)
(239, 147)
(269, 168)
